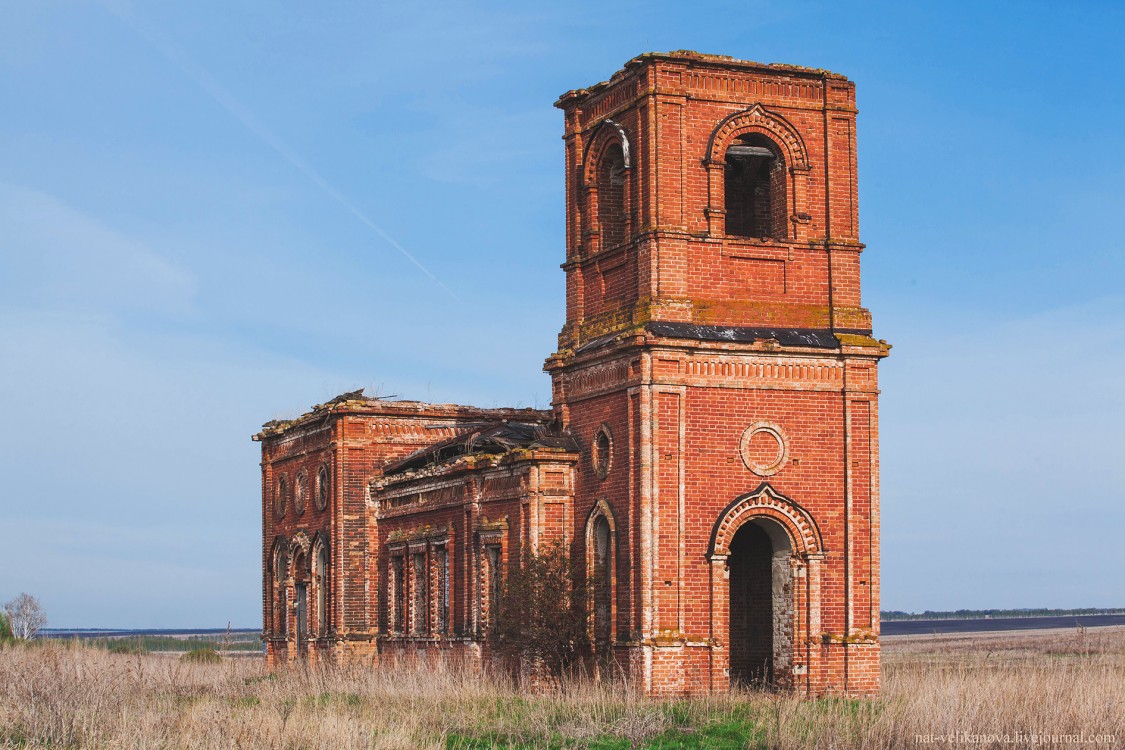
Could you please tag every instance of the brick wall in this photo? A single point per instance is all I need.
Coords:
(466, 508)
(353, 439)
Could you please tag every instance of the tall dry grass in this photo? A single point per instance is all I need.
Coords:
(63, 696)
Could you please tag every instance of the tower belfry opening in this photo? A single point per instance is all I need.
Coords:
(754, 189)
(612, 218)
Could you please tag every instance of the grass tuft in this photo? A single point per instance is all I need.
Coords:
(202, 655)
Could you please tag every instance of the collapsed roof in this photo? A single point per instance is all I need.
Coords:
(488, 439)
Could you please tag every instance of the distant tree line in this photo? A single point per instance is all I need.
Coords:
(974, 614)
(140, 644)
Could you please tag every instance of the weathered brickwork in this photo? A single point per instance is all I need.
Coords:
(712, 451)
(353, 438)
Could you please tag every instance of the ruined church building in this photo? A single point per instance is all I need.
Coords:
(711, 454)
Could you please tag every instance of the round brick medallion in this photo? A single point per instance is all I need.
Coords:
(764, 448)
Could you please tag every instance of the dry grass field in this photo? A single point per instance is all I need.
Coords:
(978, 688)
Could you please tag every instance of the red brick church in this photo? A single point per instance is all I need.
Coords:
(711, 454)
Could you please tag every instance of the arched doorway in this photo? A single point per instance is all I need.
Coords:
(761, 604)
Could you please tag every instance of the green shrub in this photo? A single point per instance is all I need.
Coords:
(542, 616)
(202, 655)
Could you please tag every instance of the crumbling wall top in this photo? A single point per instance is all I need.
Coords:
(357, 404)
(698, 59)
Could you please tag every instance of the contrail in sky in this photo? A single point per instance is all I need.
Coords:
(216, 91)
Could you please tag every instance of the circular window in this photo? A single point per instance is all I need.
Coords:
(279, 497)
(764, 448)
(322, 487)
(602, 453)
(301, 493)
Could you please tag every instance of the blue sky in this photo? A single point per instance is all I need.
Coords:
(209, 211)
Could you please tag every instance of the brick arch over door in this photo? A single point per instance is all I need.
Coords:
(806, 548)
(767, 502)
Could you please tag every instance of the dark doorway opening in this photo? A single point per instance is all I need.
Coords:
(751, 607)
(761, 609)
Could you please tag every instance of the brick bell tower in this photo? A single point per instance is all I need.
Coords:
(718, 369)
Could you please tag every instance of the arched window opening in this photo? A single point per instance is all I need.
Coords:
(280, 497)
(602, 582)
(301, 571)
(602, 453)
(321, 581)
(491, 561)
(397, 614)
(754, 184)
(322, 487)
(611, 197)
(280, 600)
(420, 583)
(300, 492)
(441, 571)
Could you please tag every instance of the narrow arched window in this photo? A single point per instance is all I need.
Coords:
(322, 487)
(419, 590)
(611, 197)
(280, 498)
(602, 452)
(280, 600)
(602, 576)
(754, 184)
(491, 561)
(301, 575)
(397, 614)
(322, 590)
(300, 492)
(441, 584)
